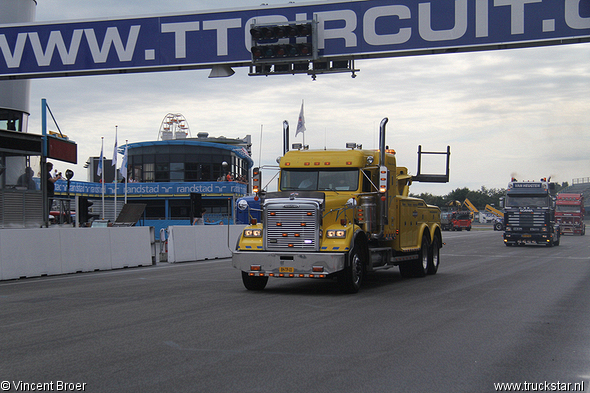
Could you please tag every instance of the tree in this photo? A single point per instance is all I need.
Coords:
(479, 198)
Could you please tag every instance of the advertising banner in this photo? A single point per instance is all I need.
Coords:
(359, 29)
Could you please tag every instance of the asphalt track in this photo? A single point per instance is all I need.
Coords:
(492, 314)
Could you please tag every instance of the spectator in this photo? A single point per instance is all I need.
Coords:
(26, 179)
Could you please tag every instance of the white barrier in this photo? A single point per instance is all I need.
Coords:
(50, 251)
(201, 242)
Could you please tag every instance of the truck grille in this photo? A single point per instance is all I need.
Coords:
(526, 220)
(291, 227)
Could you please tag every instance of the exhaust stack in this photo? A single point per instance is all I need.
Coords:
(285, 137)
(382, 141)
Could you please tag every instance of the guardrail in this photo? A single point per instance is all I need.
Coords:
(52, 251)
(202, 242)
(581, 180)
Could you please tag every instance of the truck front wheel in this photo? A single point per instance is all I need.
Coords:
(253, 283)
(351, 278)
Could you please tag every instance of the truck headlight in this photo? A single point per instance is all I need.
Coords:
(336, 233)
(252, 232)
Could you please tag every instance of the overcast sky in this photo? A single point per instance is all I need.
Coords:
(523, 112)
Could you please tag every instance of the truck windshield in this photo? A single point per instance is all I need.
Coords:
(319, 180)
(527, 201)
(567, 209)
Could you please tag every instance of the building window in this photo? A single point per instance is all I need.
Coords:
(191, 171)
(177, 172)
(148, 173)
(162, 172)
(155, 210)
(180, 209)
(136, 173)
(205, 172)
(11, 120)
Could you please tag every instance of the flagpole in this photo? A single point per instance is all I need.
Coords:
(126, 174)
(102, 173)
(303, 120)
(115, 165)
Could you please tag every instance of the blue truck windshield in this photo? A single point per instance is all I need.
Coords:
(319, 180)
(516, 200)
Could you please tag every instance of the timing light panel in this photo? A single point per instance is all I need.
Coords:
(284, 42)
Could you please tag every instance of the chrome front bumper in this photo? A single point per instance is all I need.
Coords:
(277, 263)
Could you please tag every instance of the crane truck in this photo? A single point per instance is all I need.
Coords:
(569, 213)
(341, 214)
(529, 213)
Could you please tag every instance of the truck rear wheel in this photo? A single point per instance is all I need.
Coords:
(421, 265)
(253, 283)
(434, 257)
(351, 278)
(418, 267)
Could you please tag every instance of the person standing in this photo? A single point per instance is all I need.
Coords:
(51, 183)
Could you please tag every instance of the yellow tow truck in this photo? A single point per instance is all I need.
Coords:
(341, 214)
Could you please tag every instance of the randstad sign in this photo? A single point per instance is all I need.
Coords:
(363, 29)
(151, 189)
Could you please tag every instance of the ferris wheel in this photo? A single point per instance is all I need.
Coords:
(174, 126)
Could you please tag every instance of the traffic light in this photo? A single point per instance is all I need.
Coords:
(284, 42)
(84, 210)
(256, 180)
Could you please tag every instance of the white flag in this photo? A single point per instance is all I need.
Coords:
(115, 152)
(300, 121)
(123, 168)
(99, 169)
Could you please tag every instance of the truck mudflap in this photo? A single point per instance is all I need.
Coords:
(289, 264)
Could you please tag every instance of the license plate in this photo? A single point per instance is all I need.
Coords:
(526, 235)
(286, 270)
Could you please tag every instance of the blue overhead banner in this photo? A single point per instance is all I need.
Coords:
(346, 29)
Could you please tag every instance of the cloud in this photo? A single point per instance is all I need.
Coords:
(522, 110)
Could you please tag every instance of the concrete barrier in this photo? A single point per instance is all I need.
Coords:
(201, 242)
(51, 251)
